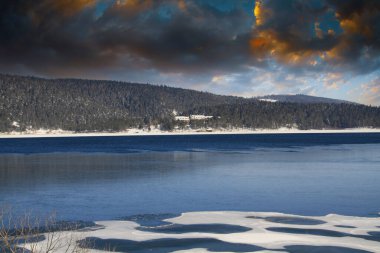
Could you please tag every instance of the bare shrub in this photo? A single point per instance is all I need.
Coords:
(32, 235)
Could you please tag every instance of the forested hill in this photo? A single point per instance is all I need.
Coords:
(94, 105)
(304, 99)
(80, 105)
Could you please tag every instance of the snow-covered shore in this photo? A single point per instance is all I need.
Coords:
(144, 132)
(238, 232)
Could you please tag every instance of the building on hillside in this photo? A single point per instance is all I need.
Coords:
(268, 100)
(182, 118)
(200, 117)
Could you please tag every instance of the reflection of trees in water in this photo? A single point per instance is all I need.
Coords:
(36, 169)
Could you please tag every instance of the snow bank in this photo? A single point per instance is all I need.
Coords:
(144, 132)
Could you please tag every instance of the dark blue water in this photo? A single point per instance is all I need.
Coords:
(94, 178)
(134, 144)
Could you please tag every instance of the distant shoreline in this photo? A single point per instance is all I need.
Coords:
(155, 132)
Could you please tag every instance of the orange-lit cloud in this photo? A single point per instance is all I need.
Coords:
(261, 13)
(267, 43)
(318, 31)
(287, 44)
(182, 5)
(333, 80)
(370, 92)
(283, 32)
(44, 9)
(354, 25)
(70, 7)
(133, 6)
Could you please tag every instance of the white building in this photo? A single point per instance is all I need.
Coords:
(268, 100)
(199, 117)
(182, 118)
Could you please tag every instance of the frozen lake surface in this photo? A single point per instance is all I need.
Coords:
(103, 178)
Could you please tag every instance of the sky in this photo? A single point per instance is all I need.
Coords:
(328, 48)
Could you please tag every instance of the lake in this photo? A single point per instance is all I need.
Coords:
(102, 178)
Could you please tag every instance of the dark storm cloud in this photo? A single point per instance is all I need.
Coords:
(166, 35)
(190, 39)
(48, 36)
(69, 37)
(360, 41)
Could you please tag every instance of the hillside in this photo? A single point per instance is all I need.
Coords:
(258, 114)
(304, 99)
(94, 105)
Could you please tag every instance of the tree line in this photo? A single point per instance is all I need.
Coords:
(96, 105)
